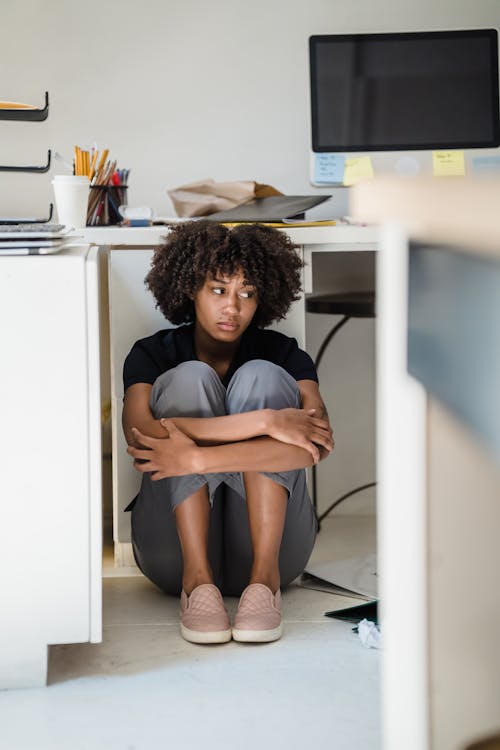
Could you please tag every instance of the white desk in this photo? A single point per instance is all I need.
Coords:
(344, 237)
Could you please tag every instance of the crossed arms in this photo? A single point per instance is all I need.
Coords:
(263, 440)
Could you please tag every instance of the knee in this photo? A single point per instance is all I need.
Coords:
(260, 368)
(262, 374)
(260, 384)
(185, 374)
(191, 389)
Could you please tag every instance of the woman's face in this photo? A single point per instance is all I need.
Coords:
(224, 306)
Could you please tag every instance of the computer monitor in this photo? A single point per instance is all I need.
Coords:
(408, 91)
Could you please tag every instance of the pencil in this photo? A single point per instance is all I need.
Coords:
(104, 156)
(92, 166)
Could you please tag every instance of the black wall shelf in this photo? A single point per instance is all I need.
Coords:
(27, 220)
(43, 168)
(28, 115)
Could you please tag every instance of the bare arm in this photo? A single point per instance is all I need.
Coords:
(208, 430)
(180, 455)
(136, 413)
(294, 426)
(312, 399)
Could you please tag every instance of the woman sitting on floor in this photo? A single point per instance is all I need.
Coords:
(222, 417)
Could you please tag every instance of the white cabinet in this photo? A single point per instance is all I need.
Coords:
(50, 449)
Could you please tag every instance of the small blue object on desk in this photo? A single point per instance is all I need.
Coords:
(139, 222)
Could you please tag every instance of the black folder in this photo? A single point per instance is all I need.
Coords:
(368, 610)
(272, 209)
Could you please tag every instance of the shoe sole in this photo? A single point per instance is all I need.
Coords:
(198, 636)
(257, 636)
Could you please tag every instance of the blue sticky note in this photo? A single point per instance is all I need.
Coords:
(329, 168)
(486, 164)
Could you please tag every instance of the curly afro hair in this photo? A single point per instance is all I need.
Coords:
(194, 249)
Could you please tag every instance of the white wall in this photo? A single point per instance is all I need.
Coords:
(180, 90)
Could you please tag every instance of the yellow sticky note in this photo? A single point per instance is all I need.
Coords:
(357, 168)
(448, 163)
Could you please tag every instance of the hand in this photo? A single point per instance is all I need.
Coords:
(300, 427)
(172, 456)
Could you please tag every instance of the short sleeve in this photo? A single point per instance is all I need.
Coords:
(148, 358)
(298, 362)
(154, 355)
(139, 367)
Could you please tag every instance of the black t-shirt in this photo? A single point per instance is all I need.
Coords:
(154, 355)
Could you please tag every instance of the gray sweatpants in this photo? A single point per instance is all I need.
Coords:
(194, 389)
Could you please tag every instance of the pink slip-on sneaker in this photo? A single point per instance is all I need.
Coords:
(258, 619)
(204, 617)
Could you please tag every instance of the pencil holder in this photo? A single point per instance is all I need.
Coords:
(104, 201)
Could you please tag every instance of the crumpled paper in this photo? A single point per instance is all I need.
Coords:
(206, 197)
(369, 634)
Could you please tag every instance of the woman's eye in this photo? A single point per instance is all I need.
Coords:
(218, 290)
(247, 295)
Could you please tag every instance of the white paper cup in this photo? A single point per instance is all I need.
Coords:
(72, 196)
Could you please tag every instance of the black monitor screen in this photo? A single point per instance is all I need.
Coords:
(421, 90)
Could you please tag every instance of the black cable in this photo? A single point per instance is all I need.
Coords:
(344, 497)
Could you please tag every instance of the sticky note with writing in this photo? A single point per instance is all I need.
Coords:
(329, 168)
(448, 163)
(357, 168)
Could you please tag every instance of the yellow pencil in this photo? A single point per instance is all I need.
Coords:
(92, 166)
(104, 156)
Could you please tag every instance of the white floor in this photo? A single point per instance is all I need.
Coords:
(145, 688)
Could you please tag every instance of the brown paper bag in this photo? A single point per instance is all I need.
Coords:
(207, 196)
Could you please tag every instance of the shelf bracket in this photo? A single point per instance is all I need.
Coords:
(44, 168)
(25, 220)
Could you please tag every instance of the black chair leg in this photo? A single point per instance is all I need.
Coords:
(328, 338)
(336, 502)
(318, 359)
(341, 499)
